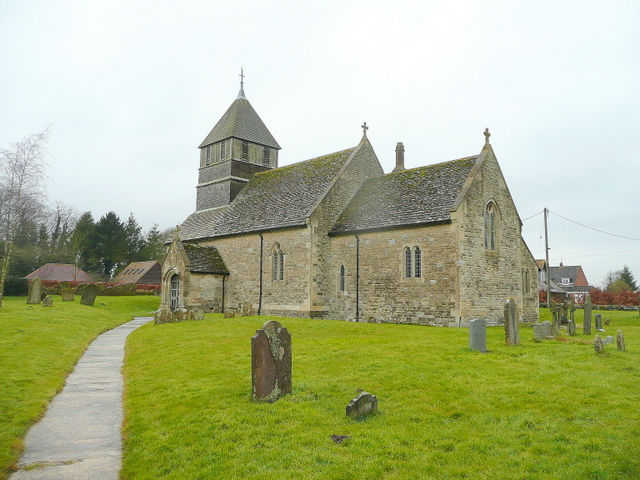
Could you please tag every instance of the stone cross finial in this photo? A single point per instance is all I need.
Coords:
(242, 77)
(364, 129)
(486, 136)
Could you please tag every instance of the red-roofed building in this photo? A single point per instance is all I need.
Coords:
(60, 272)
(144, 273)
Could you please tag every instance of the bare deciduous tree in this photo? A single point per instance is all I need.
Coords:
(22, 181)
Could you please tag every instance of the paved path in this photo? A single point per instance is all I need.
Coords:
(79, 436)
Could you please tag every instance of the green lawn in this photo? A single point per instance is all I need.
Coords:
(39, 347)
(549, 410)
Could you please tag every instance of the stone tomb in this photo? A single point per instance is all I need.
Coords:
(270, 362)
(511, 333)
(361, 406)
(478, 335)
(35, 291)
(89, 294)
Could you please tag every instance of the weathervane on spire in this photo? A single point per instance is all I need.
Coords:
(364, 129)
(486, 136)
(241, 93)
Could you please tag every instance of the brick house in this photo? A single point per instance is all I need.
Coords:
(334, 237)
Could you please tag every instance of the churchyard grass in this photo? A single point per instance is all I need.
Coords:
(546, 410)
(39, 347)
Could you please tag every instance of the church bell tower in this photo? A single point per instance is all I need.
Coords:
(239, 146)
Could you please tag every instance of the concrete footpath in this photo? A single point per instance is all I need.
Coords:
(79, 436)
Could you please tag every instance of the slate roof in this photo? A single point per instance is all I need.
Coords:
(558, 273)
(280, 198)
(149, 272)
(241, 121)
(205, 259)
(412, 197)
(60, 272)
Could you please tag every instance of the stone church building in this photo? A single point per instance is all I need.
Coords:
(335, 237)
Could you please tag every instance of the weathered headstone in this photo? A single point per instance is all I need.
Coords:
(230, 313)
(47, 301)
(607, 321)
(608, 341)
(163, 315)
(478, 335)
(180, 314)
(572, 310)
(245, 309)
(620, 341)
(35, 291)
(361, 406)
(599, 322)
(89, 294)
(598, 345)
(571, 327)
(196, 314)
(587, 315)
(67, 294)
(271, 362)
(541, 331)
(511, 333)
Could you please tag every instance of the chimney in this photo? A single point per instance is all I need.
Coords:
(399, 158)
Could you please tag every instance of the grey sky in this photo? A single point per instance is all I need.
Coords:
(132, 88)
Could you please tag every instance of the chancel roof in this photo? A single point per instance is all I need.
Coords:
(280, 198)
(241, 121)
(407, 198)
(204, 259)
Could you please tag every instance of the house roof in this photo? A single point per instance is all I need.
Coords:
(205, 259)
(558, 273)
(60, 272)
(135, 271)
(280, 198)
(241, 121)
(407, 198)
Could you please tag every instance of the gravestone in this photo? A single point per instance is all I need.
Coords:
(478, 335)
(47, 301)
(180, 314)
(35, 291)
(620, 341)
(571, 327)
(245, 309)
(230, 313)
(542, 331)
(89, 295)
(599, 322)
(511, 333)
(270, 362)
(361, 406)
(608, 340)
(196, 314)
(163, 315)
(67, 294)
(586, 329)
(598, 345)
(607, 321)
(572, 310)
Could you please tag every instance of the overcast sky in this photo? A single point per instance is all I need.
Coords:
(131, 88)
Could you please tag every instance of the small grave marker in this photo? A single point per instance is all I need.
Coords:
(587, 315)
(620, 341)
(361, 406)
(47, 301)
(599, 322)
(598, 345)
(89, 294)
(67, 294)
(478, 335)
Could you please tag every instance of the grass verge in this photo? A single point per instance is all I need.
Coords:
(548, 410)
(39, 347)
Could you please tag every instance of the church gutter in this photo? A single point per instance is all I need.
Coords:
(260, 288)
(357, 277)
(222, 306)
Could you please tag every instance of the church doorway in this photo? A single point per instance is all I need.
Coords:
(174, 292)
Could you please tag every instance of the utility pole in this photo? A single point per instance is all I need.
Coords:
(546, 249)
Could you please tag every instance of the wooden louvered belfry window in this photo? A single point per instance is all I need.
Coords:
(245, 150)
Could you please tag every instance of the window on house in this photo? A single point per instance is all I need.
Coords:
(407, 262)
(245, 150)
(265, 157)
(417, 262)
(342, 278)
(277, 267)
(566, 281)
(490, 226)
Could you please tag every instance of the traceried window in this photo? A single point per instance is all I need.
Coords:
(277, 265)
(491, 226)
(342, 278)
(265, 157)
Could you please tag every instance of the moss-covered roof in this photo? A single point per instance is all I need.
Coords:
(205, 259)
(407, 198)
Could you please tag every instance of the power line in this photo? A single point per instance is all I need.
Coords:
(532, 216)
(596, 229)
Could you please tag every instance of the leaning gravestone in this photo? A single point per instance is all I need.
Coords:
(511, 333)
(620, 341)
(361, 406)
(478, 335)
(587, 315)
(67, 294)
(270, 362)
(598, 344)
(89, 294)
(35, 291)
(599, 322)
(47, 301)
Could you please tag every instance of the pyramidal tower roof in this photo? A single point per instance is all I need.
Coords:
(241, 121)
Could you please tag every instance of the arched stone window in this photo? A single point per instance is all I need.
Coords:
(407, 262)
(417, 262)
(526, 281)
(174, 292)
(277, 266)
(491, 226)
(343, 279)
